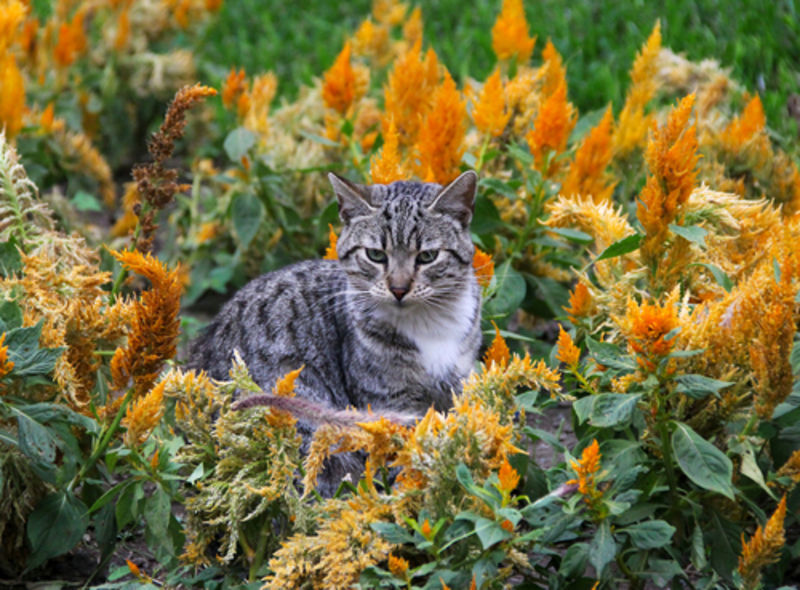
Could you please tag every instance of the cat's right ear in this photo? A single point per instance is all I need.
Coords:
(353, 198)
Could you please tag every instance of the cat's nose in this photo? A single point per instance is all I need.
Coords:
(399, 292)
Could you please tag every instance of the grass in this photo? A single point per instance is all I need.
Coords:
(757, 40)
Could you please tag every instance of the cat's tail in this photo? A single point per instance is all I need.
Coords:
(316, 413)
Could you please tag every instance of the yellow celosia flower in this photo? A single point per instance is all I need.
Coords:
(387, 167)
(551, 128)
(586, 469)
(746, 125)
(489, 112)
(71, 39)
(586, 174)
(497, 353)
(791, 468)
(142, 415)
(155, 326)
(763, 548)
(483, 265)
(233, 87)
(12, 97)
(554, 71)
(567, 353)
(260, 98)
(580, 303)
(508, 477)
(373, 41)
(408, 91)
(284, 387)
(341, 87)
(398, 566)
(646, 326)
(440, 143)
(330, 251)
(412, 28)
(389, 12)
(632, 126)
(6, 366)
(510, 33)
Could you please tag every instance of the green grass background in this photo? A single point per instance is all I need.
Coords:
(758, 41)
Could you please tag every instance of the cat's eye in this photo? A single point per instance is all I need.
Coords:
(427, 256)
(376, 255)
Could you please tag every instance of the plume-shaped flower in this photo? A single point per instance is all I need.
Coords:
(497, 353)
(72, 40)
(142, 415)
(6, 366)
(587, 172)
(387, 166)
(586, 468)
(567, 352)
(330, 251)
(12, 98)
(551, 128)
(580, 303)
(763, 548)
(483, 265)
(647, 327)
(341, 86)
(490, 113)
(440, 143)
(510, 33)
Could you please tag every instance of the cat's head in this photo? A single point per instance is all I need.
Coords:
(407, 244)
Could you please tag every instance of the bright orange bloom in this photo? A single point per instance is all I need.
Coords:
(71, 40)
(6, 366)
(340, 85)
(746, 125)
(12, 97)
(567, 353)
(483, 266)
(387, 167)
(580, 303)
(408, 92)
(440, 143)
(398, 566)
(510, 33)
(586, 469)
(632, 127)
(235, 85)
(646, 326)
(498, 352)
(490, 113)
(763, 548)
(142, 415)
(587, 172)
(330, 251)
(551, 128)
(508, 477)
(123, 30)
(426, 529)
(284, 387)
(412, 28)
(11, 15)
(555, 72)
(155, 326)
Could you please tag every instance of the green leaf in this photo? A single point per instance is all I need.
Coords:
(319, 139)
(157, 510)
(574, 561)
(723, 280)
(10, 316)
(702, 462)
(609, 355)
(620, 247)
(490, 532)
(51, 412)
(24, 351)
(510, 292)
(392, 532)
(84, 201)
(603, 548)
(698, 555)
(606, 409)
(500, 187)
(486, 218)
(10, 259)
(573, 235)
(553, 293)
(247, 212)
(693, 233)
(650, 534)
(238, 143)
(749, 466)
(55, 526)
(699, 386)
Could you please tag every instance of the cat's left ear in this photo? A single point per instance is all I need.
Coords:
(457, 199)
(353, 198)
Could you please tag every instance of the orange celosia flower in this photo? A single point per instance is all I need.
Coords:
(408, 91)
(387, 167)
(791, 468)
(586, 174)
(567, 353)
(330, 251)
(155, 325)
(340, 86)
(672, 157)
(234, 86)
(11, 15)
(6, 365)
(426, 529)
(497, 353)
(490, 113)
(260, 96)
(632, 127)
(646, 326)
(12, 97)
(142, 415)
(483, 265)
(554, 71)
(586, 469)
(398, 566)
(580, 303)
(551, 128)
(746, 125)
(71, 40)
(440, 143)
(763, 548)
(123, 30)
(510, 33)
(284, 387)
(412, 28)
(389, 12)
(508, 477)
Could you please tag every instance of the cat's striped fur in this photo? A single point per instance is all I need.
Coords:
(393, 324)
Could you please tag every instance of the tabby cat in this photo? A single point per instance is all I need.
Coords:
(393, 324)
